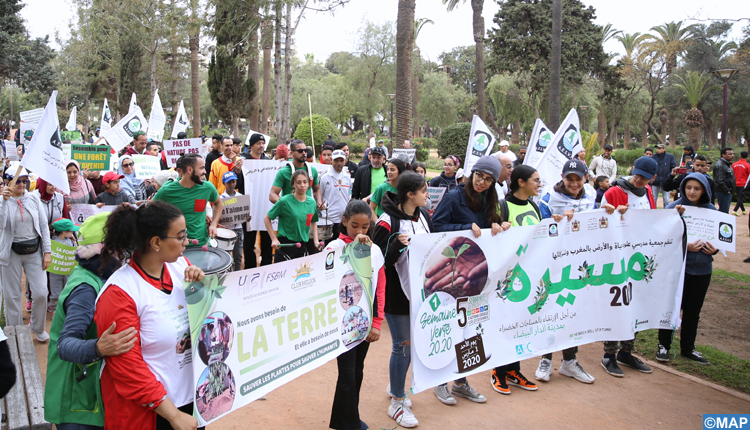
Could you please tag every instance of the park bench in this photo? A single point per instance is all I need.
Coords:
(23, 406)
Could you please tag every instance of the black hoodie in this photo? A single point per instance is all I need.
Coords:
(386, 238)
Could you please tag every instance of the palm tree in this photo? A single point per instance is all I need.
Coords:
(476, 6)
(555, 65)
(404, 45)
(631, 43)
(194, 26)
(418, 24)
(694, 87)
(671, 40)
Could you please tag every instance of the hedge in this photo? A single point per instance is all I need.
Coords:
(322, 127)
(453, 140)
(627, 158)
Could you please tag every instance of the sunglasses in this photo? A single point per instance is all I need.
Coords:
(22, 181)
(128, 165)
(301, 151)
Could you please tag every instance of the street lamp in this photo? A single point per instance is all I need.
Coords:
(724, 75)
(390, 129)
(583, 116)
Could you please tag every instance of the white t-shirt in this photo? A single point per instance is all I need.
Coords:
(634, 202)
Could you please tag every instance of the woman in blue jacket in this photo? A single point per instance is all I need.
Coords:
(694, 191)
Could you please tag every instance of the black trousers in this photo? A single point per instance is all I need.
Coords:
(740, 199)
(335, 231)
(345, 410)
(568, 354)
(502, 370)
(289, 252)
(266, 252)
(693, 294)
(162, 424)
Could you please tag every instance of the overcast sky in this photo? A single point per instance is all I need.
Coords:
(322, 34)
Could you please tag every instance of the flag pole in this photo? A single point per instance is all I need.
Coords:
(312, 136)
(15, 178)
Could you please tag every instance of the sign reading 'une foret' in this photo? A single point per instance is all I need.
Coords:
(92, 157)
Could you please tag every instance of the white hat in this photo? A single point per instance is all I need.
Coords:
(504, 143)
(459, 173)
(338, 154)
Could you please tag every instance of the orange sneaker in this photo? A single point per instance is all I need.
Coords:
(516, 378)
(499, 385)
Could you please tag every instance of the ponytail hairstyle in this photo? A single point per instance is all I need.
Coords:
(598, 181)
(355, 207)
(400, 164)
(129, 230)
(409, 182)
(522, 172)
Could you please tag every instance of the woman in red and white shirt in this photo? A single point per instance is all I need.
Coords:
(149, 387)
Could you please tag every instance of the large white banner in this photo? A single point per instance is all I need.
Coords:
(119, 136)
(175, 148)
(44, 155)
(259, 177)
(541, 137)
(565, 145)
(485, 302)
(156, 120)
(481, 143)
(715, 227)
(255, 330)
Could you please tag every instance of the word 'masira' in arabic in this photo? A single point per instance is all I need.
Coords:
(606, 246)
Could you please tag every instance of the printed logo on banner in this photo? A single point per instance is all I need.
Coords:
(725, 232)
(553, 230)
(576, 226)
(303, 277)
(603, 222)
(523, 349)
(565, 145)
(107, 115)
(55, 141)
(275, 276)
(545, 138)
(480, 142)
(667, 318)
(329, 260)
(132, 126)
(470, 354)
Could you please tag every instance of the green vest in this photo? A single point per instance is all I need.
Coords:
(66, 400)
(522, 215)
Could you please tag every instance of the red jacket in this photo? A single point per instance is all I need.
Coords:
(616, 196)
(741, 172)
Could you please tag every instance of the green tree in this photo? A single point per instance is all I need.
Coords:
(453, 140)
(440, 101)
(321, 127)
(695, 88)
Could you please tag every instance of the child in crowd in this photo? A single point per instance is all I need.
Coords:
(601, 185)
(230, 184)
(112, 194)
(298, 216)
(63, 233)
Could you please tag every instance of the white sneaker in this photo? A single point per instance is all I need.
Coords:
(544, 370)
(407, 400)
(573, 369)
(42, 337)
(402, 414)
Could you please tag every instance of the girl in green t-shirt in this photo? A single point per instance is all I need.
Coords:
(298, 215)
(394, 168)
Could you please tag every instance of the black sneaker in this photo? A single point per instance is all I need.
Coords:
(631, 360)
(610, 365)
(696, 356)
(663, 354)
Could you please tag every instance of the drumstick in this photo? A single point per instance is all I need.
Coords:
(296, 245)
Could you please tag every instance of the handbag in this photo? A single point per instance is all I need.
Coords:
(26, 247)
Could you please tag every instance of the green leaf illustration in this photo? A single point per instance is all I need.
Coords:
(448, 252)
(463, 248)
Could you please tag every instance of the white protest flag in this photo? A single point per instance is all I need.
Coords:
(156, 119)
(565, 145)
(481, 142)
(541, 137)
(122, 133)
(71, 125)
(181, 122)
(106, 122)
(44, 156)
(266, 137)
(133, 103)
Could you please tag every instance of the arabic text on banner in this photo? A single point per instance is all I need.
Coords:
(715, 227)
(255, 330)
(477, 303)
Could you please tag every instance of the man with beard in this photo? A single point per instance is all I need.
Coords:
(191, 194)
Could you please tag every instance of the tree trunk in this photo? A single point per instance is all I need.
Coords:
(267, 42)
(644, 134)
(613, 132)
(554, 84)
(195, 88)
(663, 118)
(478, 24)
(601, 127)
(404, 44)
(673, 129)
(515, 132)
(626, 137)
(253, 73)
(731, 136)
(281, 138)
(153, 74)
(415, 95)
(86, 108)
(174, 65)
(694, 137)
(288, 72)
(710, 130)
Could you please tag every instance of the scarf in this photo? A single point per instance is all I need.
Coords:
(627, 186)
(81, 186)
(41, 186)
(128, 183)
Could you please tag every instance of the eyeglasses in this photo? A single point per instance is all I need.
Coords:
(128, 165)
(481, 178)
(300, 151)
(22, 181)
(181, 237)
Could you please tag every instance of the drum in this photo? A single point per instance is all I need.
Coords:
(325, 232)
(225, 239)
(213, 261)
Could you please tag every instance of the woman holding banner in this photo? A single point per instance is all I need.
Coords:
(81, 190)
(24, 244)
(151, 386)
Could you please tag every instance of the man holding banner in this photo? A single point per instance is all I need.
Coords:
(254, 151)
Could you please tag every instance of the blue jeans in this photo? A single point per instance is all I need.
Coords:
(655, 189)
(400, 328)
(725, 200)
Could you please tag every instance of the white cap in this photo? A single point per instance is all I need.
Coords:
(504, 143)
(459, 173)
(338, 154)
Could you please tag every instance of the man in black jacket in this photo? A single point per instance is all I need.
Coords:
(369, 177)
(700, 165)
(724, 179)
